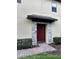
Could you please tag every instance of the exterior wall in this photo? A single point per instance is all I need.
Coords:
(39, 7)
(24, 26)
(56, 26)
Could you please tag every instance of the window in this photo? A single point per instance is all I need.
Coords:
(19, 1)
(54, 7)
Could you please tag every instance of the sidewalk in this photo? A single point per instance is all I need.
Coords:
(42, 48)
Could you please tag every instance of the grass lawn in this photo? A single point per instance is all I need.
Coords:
(42, 56)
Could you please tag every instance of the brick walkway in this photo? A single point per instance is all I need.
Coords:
(42, 48)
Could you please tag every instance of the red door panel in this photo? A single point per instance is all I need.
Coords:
(40, 32)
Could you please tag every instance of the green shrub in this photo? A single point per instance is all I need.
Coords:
(57, 40)
(24, 43)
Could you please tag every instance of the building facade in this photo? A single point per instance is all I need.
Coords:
(39, 20)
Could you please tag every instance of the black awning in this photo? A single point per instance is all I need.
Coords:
(39, 18)
(58, 0)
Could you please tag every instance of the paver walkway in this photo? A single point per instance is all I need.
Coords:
(42, 48)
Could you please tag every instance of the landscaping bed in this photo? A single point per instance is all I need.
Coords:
(58, 51)
(56, 45)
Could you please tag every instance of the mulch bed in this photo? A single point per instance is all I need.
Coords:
(58, 51)
(35, 46)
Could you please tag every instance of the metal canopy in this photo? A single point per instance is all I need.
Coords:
(58, 0)
(39, 18)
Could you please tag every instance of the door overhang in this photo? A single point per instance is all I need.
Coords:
(39, 18)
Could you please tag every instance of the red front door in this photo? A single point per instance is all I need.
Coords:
(41, 32)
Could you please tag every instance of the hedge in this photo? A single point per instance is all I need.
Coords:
(57, 40)
(24, 43)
